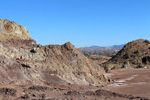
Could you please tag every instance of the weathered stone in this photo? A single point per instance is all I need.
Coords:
(135, 54)
(11, 30)
(49, 64)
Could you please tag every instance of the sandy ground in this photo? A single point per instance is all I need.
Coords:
(134, 82)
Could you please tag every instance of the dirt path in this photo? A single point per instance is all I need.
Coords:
(131, 81)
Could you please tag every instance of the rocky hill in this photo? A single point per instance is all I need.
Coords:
(23, 61)
(135, 54)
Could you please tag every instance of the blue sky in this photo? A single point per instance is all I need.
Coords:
(82, 22)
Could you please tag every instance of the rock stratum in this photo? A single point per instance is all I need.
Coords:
(22, 61)
(135, 54)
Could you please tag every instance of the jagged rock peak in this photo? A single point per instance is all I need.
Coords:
(11, 30)
(68, 45)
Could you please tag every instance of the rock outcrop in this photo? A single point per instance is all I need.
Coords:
(37, 64)
(135, 54)
(11, 30)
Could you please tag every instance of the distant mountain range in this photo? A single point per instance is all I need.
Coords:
(97, 47)
(101, 50)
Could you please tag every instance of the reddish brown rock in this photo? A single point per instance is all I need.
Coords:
(57, 64)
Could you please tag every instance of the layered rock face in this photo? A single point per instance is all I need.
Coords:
(11, 30)
(135, 54)
(25, 62)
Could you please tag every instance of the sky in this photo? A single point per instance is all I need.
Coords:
(81, 22)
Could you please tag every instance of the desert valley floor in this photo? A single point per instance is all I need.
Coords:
(129, 84)
(131, 81)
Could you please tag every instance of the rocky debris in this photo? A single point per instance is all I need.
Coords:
(36, 92)
(39, 88)
(33, 51)
(104, 94)
(72, 93)
(24, 97)
(25, 66)
(8, 91)
(135, 54)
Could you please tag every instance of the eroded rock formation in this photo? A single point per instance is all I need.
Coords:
(26, 62)
(135, 54)
(11, 30)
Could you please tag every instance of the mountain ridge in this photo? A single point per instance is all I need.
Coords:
(99, 50)
(97, 47)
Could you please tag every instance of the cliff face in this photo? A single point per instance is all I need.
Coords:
(135, 54)
(11, 30)
(37, 64)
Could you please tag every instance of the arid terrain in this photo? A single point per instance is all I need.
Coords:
(30, 71)
(135, 54)
(130, 84)
(99, 59)
(105, 51)
(130, 81)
